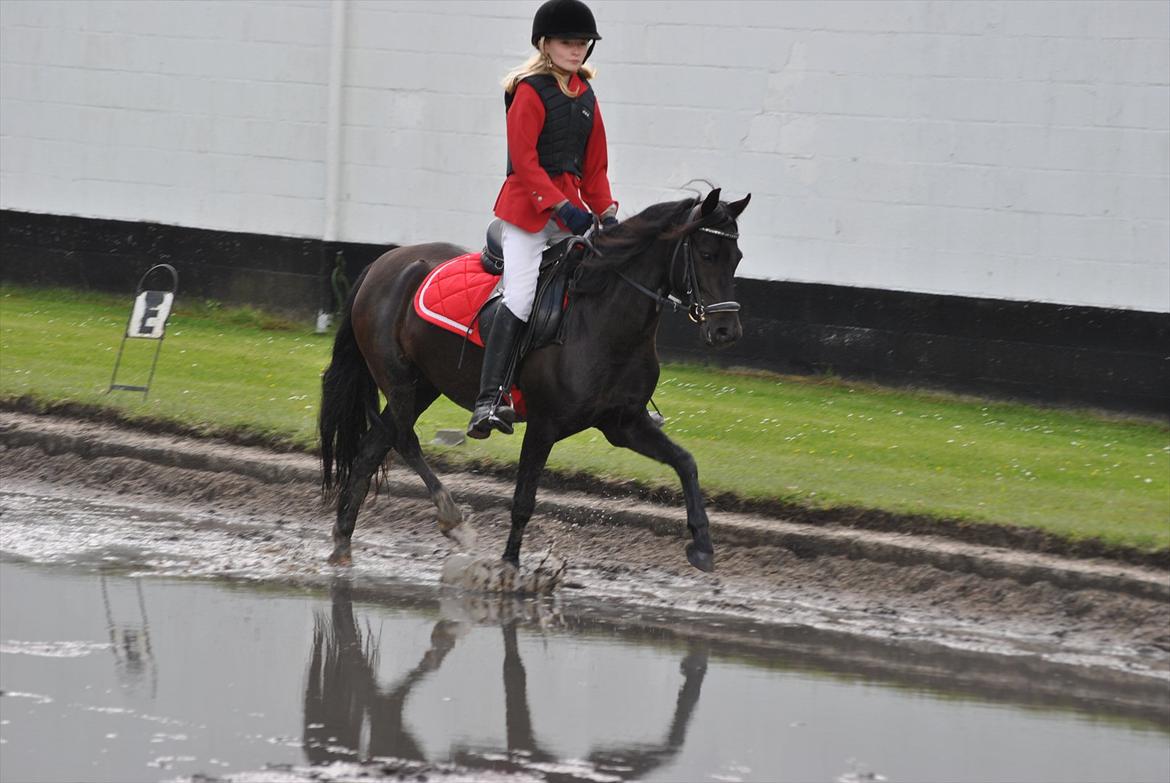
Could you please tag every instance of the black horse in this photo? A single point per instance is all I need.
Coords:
(677, 253)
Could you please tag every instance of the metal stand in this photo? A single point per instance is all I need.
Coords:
(148, 321)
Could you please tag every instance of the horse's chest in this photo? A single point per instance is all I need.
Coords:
(617, 382)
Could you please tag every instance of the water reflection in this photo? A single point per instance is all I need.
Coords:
(129, 632)
(343, 695)
(349, 714)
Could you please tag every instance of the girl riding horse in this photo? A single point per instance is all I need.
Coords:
(605, 367)
(557, 163)
(679, 254)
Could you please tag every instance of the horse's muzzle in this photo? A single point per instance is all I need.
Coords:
(721, 330)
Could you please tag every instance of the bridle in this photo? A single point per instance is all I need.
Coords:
(686, 293)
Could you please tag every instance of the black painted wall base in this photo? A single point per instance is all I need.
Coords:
(1060, 354)
(1055, 354)
(282, 274)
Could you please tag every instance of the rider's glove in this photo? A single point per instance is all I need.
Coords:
(609, 217)
(576, 220)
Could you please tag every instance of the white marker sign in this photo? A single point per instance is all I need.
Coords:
(151, 311)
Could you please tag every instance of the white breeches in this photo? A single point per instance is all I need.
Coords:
(522, 253)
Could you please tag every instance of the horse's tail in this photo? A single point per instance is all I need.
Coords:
(348, 396)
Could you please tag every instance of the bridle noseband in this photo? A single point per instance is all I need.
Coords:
(696, 310)
(686, 293)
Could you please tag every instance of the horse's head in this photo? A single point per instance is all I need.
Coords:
(703, 268)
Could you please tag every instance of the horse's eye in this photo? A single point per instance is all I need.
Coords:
(706, 256)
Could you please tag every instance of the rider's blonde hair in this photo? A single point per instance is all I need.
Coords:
(539, 63)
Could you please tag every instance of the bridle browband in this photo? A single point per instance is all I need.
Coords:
(691, 297)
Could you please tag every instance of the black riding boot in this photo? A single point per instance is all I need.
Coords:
(489, 414)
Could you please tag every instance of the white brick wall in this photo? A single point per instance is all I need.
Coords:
(1014, 149)
(206, 114)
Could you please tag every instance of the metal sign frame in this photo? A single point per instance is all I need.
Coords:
(148, 327)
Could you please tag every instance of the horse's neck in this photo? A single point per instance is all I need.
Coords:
(626, 317)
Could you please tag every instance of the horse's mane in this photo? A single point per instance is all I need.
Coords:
(620, 244)
(617, 245)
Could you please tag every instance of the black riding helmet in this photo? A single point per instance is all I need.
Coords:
(570, 19)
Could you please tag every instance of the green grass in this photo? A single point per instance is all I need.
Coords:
(819, 444)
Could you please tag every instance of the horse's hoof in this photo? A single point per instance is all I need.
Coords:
(341, 556)
(489, 575)
(449, 514)
(463, 536)
(704, 561)
(483, 574)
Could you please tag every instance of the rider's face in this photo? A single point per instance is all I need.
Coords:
(566, 54)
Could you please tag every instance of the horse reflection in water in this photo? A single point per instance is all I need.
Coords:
(343, 691)
(343, 697)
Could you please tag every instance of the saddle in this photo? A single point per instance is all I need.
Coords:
(462, 295)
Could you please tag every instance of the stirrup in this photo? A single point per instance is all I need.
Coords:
(483, 427)
(499, 417)
(656, 417)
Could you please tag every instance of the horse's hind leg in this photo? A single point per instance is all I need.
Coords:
(406, 405)
(635, 430)
(372, 449)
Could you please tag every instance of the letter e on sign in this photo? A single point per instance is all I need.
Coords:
(151, 311)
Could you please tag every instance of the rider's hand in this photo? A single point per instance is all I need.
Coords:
(575, 219)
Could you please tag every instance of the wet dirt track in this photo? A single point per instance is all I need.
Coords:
(879, 584)
(1037, 643)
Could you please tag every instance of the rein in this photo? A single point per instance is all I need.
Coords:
(695, 308)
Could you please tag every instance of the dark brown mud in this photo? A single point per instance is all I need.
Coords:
(1023, 539)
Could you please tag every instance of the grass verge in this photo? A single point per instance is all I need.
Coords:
(814, 448)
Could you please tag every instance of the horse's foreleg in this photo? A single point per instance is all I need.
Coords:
(372, 449)
(533, 454)
(405, 408)
(638, 433)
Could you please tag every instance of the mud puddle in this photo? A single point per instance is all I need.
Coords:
(134, 648)
(111, 677)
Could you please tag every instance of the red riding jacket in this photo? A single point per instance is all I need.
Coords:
(529, 194)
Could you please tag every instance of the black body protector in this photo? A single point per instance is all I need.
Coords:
(567, 125)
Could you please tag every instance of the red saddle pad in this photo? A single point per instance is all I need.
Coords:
(451, 295)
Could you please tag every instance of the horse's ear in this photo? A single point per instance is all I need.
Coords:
(736, 208)
(710, 203)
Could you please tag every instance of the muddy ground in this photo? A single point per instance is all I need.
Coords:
(762, 583)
